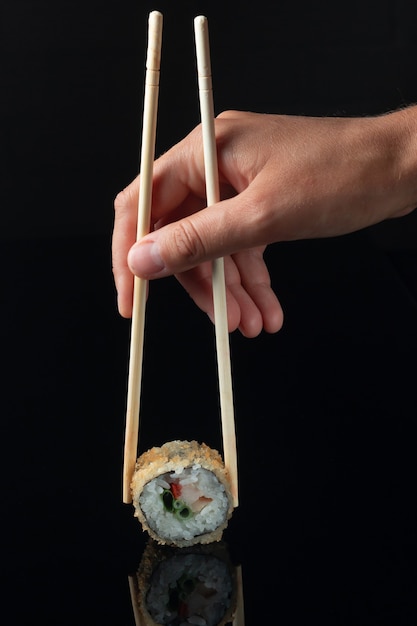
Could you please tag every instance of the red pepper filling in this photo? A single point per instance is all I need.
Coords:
(176, 490)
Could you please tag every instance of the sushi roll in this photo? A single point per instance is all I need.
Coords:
(181, 493)
(179, 586)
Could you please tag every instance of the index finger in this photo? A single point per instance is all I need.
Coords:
(123, 238)
(178, 179)
(178, 189)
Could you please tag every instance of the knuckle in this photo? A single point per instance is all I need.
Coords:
(124, 200)
(120, 201)
(226, 114)
(187, 241)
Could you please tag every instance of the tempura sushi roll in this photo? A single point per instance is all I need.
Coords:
(181, 493)
(194, 585)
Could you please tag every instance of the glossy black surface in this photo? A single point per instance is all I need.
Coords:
(325, 411)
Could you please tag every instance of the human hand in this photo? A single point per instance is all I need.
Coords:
(281, 178)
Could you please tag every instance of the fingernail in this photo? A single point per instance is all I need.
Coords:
(144, 259)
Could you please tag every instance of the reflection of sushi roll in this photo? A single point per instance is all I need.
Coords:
(181, 493)
(195, 585)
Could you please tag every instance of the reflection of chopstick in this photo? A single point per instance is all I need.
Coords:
(219, 288)
(140, 285)
(239, 616)
(134, 594)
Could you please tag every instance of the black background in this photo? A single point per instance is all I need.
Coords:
(325, 410)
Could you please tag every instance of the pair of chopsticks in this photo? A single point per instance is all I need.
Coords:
(218, 277)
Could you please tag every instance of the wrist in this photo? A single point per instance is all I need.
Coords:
(399, 136)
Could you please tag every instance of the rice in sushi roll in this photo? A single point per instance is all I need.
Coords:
(195, 585)
(181, 493)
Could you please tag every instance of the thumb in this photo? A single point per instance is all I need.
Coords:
(208, 234)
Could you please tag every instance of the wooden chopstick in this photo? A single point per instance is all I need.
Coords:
(150, 108)
(218, 276)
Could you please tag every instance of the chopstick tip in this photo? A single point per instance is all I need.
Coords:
(155, 20)
(153, 57)
(200, 21)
